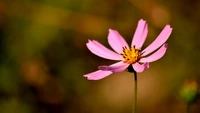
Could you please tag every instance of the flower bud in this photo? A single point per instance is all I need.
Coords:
(189, 91)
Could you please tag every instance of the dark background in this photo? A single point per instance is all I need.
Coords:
(43, 55)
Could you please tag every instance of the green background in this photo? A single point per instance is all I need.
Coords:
(43, 55)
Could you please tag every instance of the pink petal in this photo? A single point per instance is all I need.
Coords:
(97, 75)
(116, 41)
(140, 67)
(155, 56)
(162, 38)
(100, 50)
(140, 34)
(117, 67)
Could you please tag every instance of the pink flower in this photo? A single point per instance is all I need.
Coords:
(128, 56)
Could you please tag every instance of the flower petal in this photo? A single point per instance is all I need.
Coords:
(117, 67)
(140, 68)
(116, 41)
(98, 49)
(162, 38)
(155, 56)
(140, 34)
(97, 75)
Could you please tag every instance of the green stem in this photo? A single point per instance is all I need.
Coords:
(187, 108)
(135, 93)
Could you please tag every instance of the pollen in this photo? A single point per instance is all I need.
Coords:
(131, 55)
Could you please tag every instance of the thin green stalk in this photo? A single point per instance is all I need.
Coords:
(135, 93)
(187, 108)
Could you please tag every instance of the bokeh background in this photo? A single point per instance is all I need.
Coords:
(43, 56)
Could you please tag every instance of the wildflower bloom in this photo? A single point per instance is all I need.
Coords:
(128, 56)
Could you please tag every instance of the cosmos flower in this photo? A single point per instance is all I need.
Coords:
(128, 56)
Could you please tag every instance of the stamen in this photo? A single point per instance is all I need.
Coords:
(131, 55)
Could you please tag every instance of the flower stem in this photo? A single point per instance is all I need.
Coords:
(187, 108)
(135, 93)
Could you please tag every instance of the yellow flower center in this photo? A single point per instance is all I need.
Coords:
(131, 55)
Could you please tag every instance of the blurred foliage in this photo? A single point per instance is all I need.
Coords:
(44, 57)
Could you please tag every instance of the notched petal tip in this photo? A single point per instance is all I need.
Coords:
(111, 30)
(142, 20)
(168, 28)
(91, 78)
(87, 44)
(97, 75)
(88, 77)
(89, 40)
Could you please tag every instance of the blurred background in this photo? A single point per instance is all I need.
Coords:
(43, 55)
